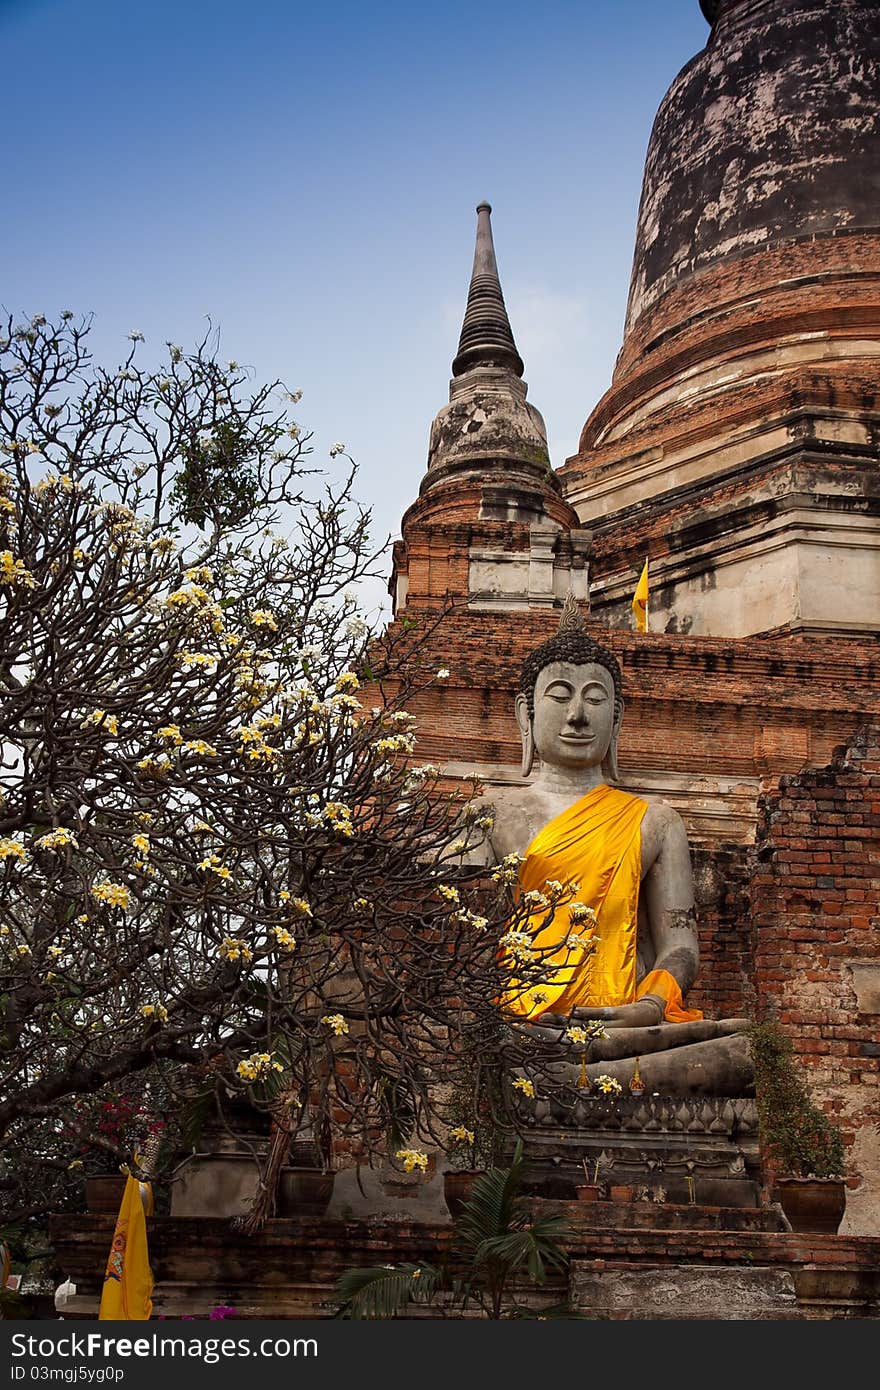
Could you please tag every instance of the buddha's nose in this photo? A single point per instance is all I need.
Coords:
(577, 712)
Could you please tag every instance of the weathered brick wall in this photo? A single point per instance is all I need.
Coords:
(815, 905)
(724, 988)
(708, 511)
(694, 705)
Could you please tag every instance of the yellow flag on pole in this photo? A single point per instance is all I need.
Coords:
(128, 1281)
(640, 601)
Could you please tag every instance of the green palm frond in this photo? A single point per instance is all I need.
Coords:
(536, 1247)
(383, 1292)
(493, 1208)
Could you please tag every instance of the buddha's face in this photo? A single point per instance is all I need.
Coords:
(574, 719)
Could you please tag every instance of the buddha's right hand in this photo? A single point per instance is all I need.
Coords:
(644, 1013)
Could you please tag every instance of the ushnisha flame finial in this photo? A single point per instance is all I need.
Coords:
(572, 619)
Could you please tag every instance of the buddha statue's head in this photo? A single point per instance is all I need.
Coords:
(570, 701)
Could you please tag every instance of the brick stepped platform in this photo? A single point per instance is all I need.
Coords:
(627, 1260)
(606, 1215)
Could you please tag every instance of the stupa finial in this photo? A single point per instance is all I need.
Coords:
(486, 336)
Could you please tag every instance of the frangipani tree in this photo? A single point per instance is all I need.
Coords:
(215, 860)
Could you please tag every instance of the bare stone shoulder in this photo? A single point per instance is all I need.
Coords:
(516, 821)
(662, 827)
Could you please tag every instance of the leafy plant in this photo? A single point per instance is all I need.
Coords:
(495, 1235)
(800, 1138)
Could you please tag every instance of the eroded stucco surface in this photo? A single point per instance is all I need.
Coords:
(772, 132)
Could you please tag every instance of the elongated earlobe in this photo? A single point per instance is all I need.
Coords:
(610, 769)
(523, 719)
(528, 751)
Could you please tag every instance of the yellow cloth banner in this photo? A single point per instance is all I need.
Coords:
(640, 601)
(128, 1281)
(596, 844)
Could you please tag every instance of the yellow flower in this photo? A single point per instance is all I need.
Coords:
(190, 661)
(170, 732)
(108, 722)
(608, 1085)
(154, 767)
(157, 1011)
(258, 1065)
(55, 839)
(14, 572)
(523, 1084)
(464, 1136)
(518, 945)
(337, 815)
(198, 745)
(395, 743)
(336, 1022)
(448, 892)
(192, 596)
(201, 574)
(286, 940)
(11, 849)
(141, 843)
(347, 681)
(264, 617)
(582, 915)
(233, 948)
(214, 864)
(472, 919)
(412, 1158)
(114, 894)
(508, 870)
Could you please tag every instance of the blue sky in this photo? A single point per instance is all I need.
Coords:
(306, 175)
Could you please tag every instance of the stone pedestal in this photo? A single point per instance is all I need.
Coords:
(680, 1149)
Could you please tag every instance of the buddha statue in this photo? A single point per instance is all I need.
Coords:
(619, 948)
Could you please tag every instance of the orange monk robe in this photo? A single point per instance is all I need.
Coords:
(595, 844)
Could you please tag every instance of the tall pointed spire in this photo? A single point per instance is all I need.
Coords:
(486, 336)
(489, 524)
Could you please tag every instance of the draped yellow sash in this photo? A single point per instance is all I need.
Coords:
(595, 844)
